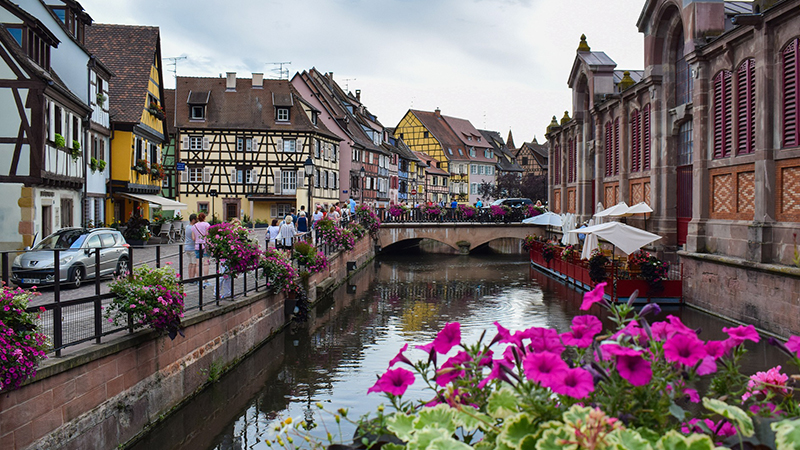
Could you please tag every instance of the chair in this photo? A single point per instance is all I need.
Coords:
(175, 232)
(164, 232)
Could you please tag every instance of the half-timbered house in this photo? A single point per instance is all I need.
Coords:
(481, 154)
(405, 179)
(436, 179)
(133, 54)
(169, 154)
(246, 143)
(506, 160)
(532, 156)
(41, 160)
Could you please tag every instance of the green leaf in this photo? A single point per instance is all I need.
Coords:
(787, 434)
(529, 442)
(401, 425)
(502, 403)
(470, 419)
(676, 441)
(577, 413)
(448, 443)
(677, 412)
(621, 439)
(517, 428)
(423, 438)
(555, 439)
(744, 424)
(392, 446)
(440, 416)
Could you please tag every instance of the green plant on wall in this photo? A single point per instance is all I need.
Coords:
(101, 99)
(60, 141)
(75, 151)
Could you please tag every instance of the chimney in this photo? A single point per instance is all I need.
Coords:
(358, 94)
(438, 112)
(230, 82)
(258, 80)
(330, 75)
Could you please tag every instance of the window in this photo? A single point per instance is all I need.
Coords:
(646, 137)
(316, 148)
(195, 143)
(289, 145)
(481, 170)
(335, 152)
(289, 181)
(472, 151)
(239, 176)
(316, 178)
(524, 160)
(244, 144)
(473, 188)
(469, 138)
(791, 82)
(474, 169)
(325, 179)
(202, 207)
(746, 106)
(195, 174)
(198, 112)
(282, 115)
(449, 150)
(424, 134)
(685, 143)
(722, 114)
(153, 153)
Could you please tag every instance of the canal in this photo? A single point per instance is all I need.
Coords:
(351, 336)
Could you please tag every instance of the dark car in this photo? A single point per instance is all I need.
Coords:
(76, 258)
(512, 202)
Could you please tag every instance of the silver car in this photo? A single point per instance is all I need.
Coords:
(76, 258)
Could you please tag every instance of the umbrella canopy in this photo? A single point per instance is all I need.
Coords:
(569, 224)
(617, 210)
(624, 237)
(548, 218)
(589, 244)
(640, 208)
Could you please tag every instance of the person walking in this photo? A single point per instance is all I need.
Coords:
(272, 233)
(352, 207)
(188, 248)
(199, 234)
(302, 222)
(334, 215)
(479, 204)
(286, 233)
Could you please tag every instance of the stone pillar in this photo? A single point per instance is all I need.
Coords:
(564, 175)
(701, 183)
(624, 152)
(584, 205)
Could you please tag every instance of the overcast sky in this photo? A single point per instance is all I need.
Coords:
(501, 64)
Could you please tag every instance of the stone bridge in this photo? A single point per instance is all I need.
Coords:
(462, 236)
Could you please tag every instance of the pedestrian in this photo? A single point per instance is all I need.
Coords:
(317, 216)
(334, 215)
(352, 206)
(188, 248)
(453, 204)
(272, 233)
(479, 204)
(294, 215)
(201, 252)
(302, 222)
(286, 233)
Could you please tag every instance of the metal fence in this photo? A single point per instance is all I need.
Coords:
(450, 215)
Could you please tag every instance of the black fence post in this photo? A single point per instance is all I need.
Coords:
(158, 256)
(216, 279)
(98, 305)
(201, 282)
(5, 269)
(58, 338)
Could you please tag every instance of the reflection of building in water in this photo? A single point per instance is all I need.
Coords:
(449, 291)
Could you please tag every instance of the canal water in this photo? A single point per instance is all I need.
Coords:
(351, 336)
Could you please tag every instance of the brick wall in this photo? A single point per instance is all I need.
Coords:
(571, 200)
(732, 192)
(787, 202)
(556, 206)
(610, 194)
(104, 395)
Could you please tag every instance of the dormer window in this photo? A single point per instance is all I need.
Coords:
(314, 118)
(197, 104)
(198, 112)
(32, 44)
(282, 115)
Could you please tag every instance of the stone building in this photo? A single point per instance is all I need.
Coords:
(707, 134)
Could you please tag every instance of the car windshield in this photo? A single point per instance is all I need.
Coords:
(62, 240)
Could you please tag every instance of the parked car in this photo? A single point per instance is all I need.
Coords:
(512, 202)
(76, 258)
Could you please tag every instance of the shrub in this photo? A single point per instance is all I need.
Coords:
(468, 211)
(22, 347)
(499, 211)
(527, 244)
(307, 255)
(233, 247)
(549, 252)
(432, 211)
(368, 219)
(152, 297)
(335, 236)
(277, 269)
(397, 210)
(597, 266)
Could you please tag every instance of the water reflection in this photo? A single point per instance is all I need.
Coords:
(352, 335)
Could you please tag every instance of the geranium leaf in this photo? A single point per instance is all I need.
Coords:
(787, 434)
(401, 425)
(627, 440)
(502, 403)
(677, 412)
(516, 428)
(448, 443)
(423, 438)
(555, 439)
(676, 441)
(577, 413)
(392, 446)
(440, 416)
(470, 419)
(744, 424)
(528, 442)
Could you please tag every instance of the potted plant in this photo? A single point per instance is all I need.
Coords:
(499, 212)
(549, 252)
(150, 297)
(96, 164)
(101, 99)
(308, 258)
(277, 269)
(157, 171)
(368, 219)
(141, 167)
(395, 211)
(597, 266)
(636, 260)
(59, 141)
(22, 346)
(156, 110)
(137, 231)
(234, 247)
(654, 271)
(75, 151)
(433, 211)
(467, 211)
(569, 253)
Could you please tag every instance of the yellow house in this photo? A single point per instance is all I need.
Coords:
(133, 54)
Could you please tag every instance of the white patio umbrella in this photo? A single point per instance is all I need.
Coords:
(568, 238)
(617, 210)
(589, 244)
(624, 237)
(597, 210)
(548, 218)
(640, 208)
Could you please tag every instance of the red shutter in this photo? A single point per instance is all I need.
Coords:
(722, 114)
(746, 106)
(557, 165)
(646, 138)
(571, 161)
(728, 113)
(636, 151)
(616, 146)
(609, 145)
(790, 104)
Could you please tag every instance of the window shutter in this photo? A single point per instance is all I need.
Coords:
(635, 137)
(616, 146)
(184, 142)
(791, 106)
(279, 144)
(277, 181)
(273, 211)
(185, 176)
(207, 174)
(746, 106)
(609, 146)
(299, 145)
(52, 114)
(557, 164)
(646, 138)
(301, 178)
(233, 179)
(722, 114)
(206, 143)
(254, 176)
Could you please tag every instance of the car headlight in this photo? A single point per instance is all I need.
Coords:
(17, 261)
(66, 260)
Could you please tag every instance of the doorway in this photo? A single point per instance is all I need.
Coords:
(47, 220)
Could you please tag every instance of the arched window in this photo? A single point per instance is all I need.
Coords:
(609, 149)
(746, 106)
(572, 159)
(722, 114)
(791, 106)
(683, 80)
(636, 134)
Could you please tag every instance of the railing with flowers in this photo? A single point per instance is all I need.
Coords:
(462, 213)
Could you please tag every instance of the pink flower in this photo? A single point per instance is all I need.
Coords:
(632, 329)
(719, 429)
(635, 369)
(580, 337)
(449, 337)
(497, 372)
(718, 349)
(394, 382)
(618, 350)
(742, 333)
(593, 296)
(707, 366)
(685, 349)
(694, 397)
(575, 383)
(504, 335)
(401, 358)
(793, 344)
(543, 339)
(450, 369)
(762, 382)
(675, 326)
(592, 323)
(543, 367)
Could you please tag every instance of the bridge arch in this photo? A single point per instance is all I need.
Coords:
(461, 236)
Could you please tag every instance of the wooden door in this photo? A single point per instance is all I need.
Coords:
(47, 221)
(684, 202)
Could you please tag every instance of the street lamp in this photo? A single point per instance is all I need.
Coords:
(309, 167)
(363, 174)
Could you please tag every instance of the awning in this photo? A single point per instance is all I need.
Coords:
(164, 202)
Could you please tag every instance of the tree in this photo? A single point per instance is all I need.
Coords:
(509, 185)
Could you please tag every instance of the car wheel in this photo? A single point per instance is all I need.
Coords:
(122, 267)
(77, 277)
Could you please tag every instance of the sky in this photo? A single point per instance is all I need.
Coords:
(501, 64)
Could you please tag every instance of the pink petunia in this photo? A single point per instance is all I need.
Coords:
(394, 382)
(707, 366)
(632, 329)
(593, 296)
(718, 349)
(543, 367)
(497, 373)
(401, 358)
(793, 344)
(675, 326)
(575, 383)
(635, 369)
(504, 335)
(685, 349)
(580, 337)
(618, 350)
(692, 394)
(592, 323)
(742, 333)
(771, 380)
(659, 330)
(451, 368)
(449, 337)
(543, 340)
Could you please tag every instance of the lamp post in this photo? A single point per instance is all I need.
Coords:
(363, 174)
(309, 167)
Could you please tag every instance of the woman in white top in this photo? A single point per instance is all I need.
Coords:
(272, 233)
(286, 233)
